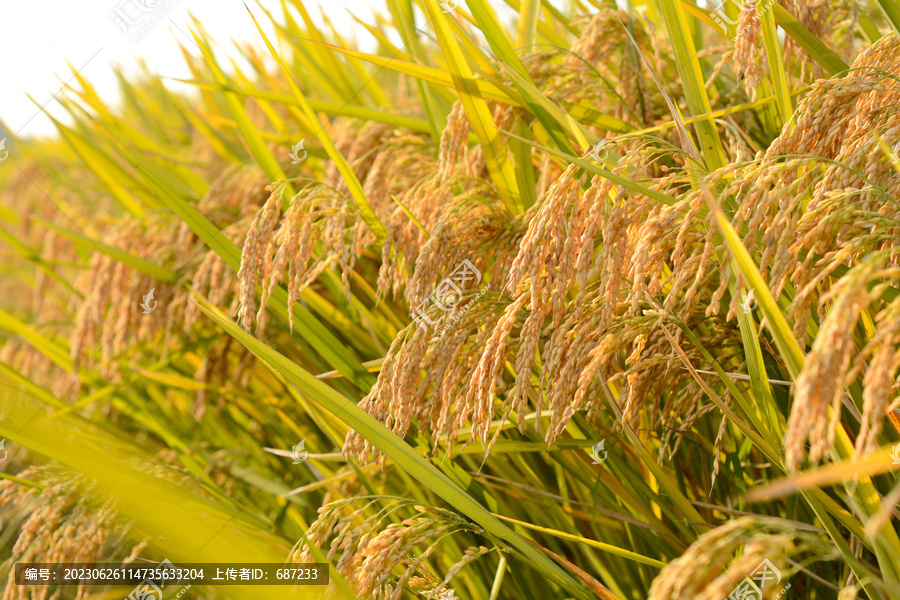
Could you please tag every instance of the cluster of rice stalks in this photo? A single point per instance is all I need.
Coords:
(602, 305)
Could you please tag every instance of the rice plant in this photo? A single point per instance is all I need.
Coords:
(599, 302)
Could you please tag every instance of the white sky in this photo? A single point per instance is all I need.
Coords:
(40, 37)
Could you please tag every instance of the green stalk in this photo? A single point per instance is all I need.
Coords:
(498, 579)
(776, 63)
(692, 83)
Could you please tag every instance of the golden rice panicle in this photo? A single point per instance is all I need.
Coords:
(818, 17)
(316, 213)
(533, 277)
(110, 318)
(454, 145)
(407, 172)
(464, 215)
(449, 368)
(635, 246)
(603, 36)
(476, 227)
(377, 403)
(400, 161)
(823, 20)
(397, 396)
(368, 549)
(773, 548)
(848, 222)
(821, 383)
(749, 58)
(555, 257)
(389, 162)
(89, 320)
(597, 39)
(253, 255)
(484, 379)
(839, 213)
(880, 385)
(46, 303)
(690, 573)
(706, 570)
(427, 200)
(77, 526)
(356, 144)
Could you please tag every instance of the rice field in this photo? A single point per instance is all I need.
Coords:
(601, 301)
